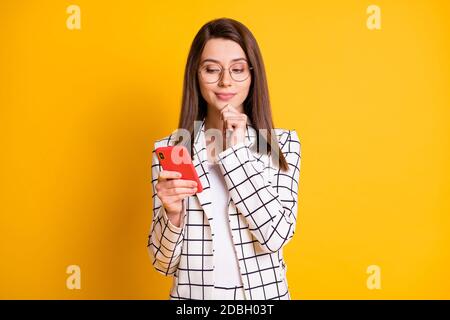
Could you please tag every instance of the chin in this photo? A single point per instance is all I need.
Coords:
(219, 104)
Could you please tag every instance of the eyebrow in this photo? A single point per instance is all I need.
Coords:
(214, 60)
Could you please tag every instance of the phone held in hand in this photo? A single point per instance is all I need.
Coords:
(177, 158)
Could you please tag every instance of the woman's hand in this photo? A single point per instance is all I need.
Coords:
(234, 126)
(171, 191)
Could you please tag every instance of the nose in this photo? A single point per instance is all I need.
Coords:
(225, 79)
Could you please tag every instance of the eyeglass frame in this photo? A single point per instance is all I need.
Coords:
(222, 69)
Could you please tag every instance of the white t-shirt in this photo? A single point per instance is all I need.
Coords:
(226, 269)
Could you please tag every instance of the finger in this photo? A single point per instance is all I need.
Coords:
(228, 109)
(231, 108)
(177, 191)
(169, 198)
(166, 174)
(179, 183)
(173, 199)
(239, 115)
(227, 114)
(222, 112)
(234, 118)
(233, 123)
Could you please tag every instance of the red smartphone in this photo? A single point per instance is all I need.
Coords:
(177, 158)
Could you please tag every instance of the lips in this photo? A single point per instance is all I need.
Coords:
(224, 96)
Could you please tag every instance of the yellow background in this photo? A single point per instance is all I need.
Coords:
(80, 110)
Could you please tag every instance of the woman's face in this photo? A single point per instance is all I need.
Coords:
(223, 53)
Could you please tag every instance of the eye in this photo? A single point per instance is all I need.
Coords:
(212, 70)
(238, 68)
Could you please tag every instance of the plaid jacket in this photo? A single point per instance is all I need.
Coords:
(262, 210)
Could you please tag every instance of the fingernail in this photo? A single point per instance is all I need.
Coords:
(178, 175)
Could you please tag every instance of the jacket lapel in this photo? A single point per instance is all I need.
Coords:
(200, 161)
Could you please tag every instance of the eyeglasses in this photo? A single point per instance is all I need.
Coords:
(212, 72)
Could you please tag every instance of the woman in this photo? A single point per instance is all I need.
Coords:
(226, 242)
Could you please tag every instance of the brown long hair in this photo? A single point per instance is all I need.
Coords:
(256, 105)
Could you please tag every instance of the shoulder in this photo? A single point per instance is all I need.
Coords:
(166, 141)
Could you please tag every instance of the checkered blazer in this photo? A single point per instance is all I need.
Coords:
(262, 210)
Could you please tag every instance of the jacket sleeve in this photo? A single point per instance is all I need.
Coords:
(269, 208)
(165, 240)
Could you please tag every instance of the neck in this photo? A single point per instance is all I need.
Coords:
(212, 119)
